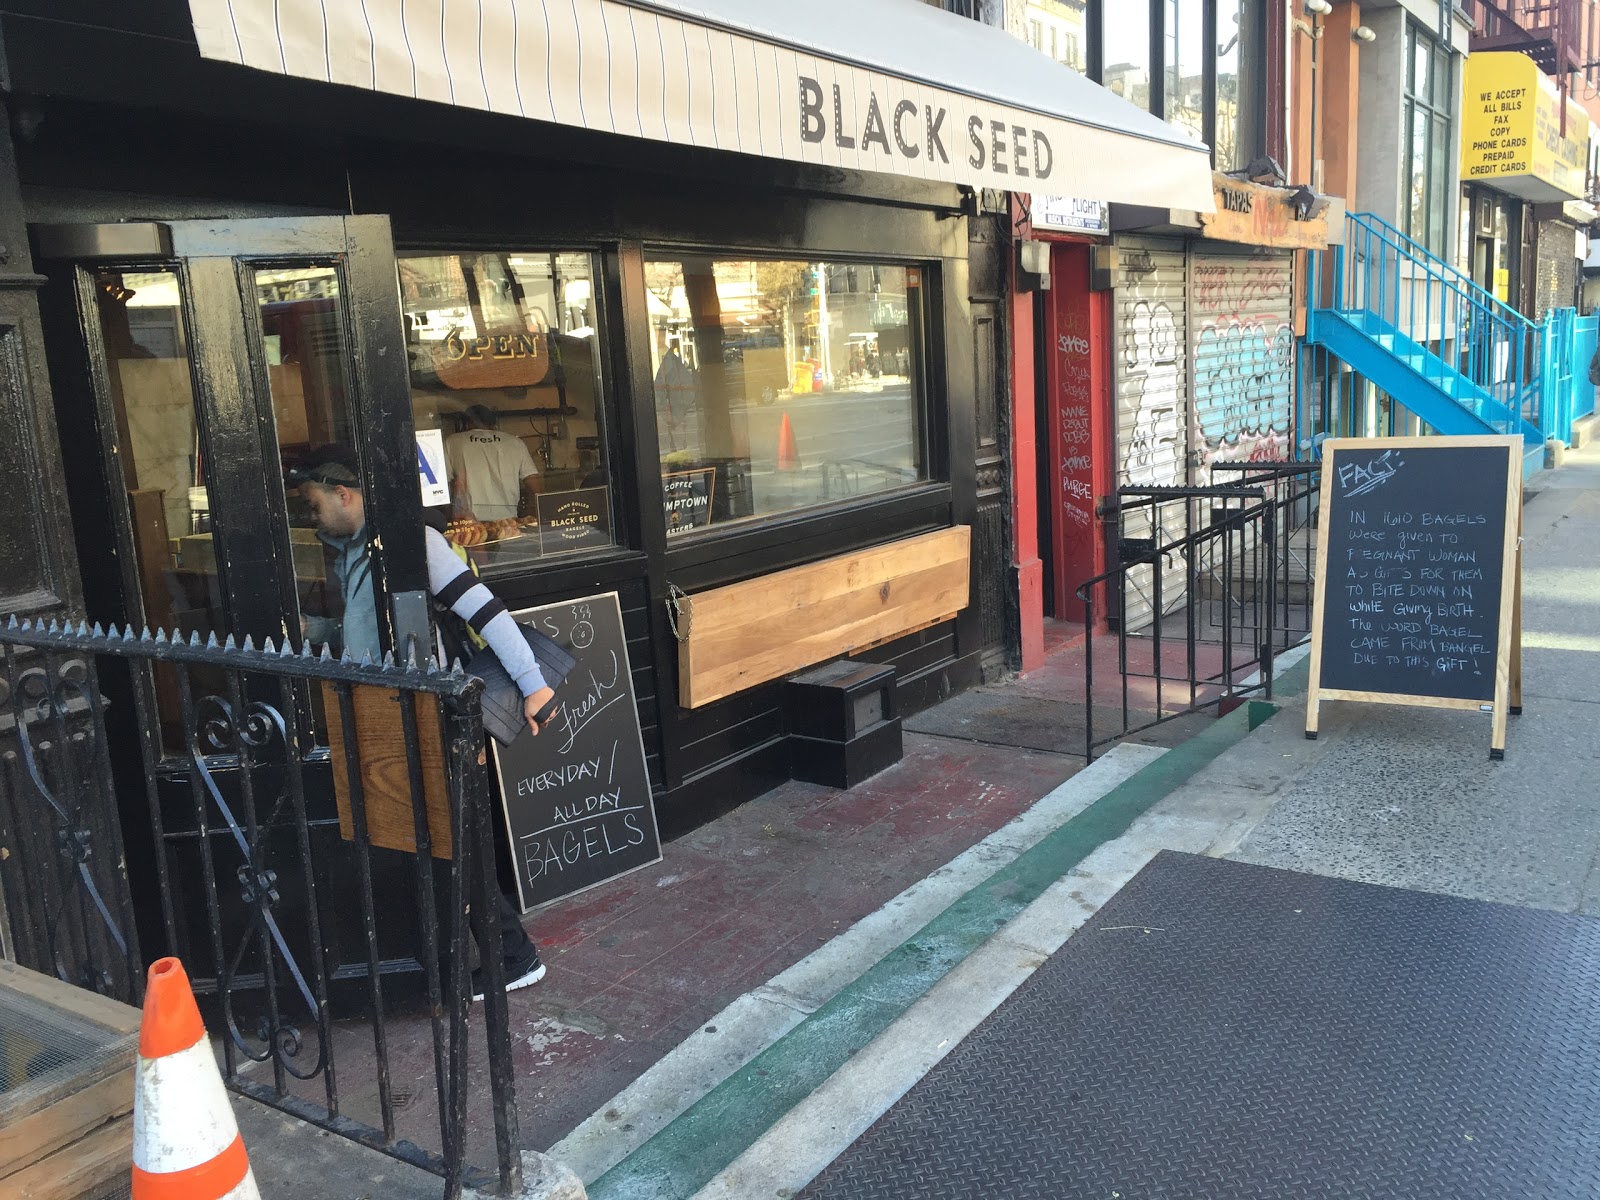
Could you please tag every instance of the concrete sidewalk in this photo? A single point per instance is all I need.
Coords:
(1390, 795)
(726, 1022)
(1408, 797)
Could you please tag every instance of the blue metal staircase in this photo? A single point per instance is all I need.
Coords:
(1457, 357)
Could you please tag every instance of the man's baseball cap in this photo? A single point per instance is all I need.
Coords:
(332, 465)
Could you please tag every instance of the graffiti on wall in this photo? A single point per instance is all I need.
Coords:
(1152, 372)
(1243, 361)
(1077, 437)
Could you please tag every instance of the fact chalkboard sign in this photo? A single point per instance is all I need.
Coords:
(1418, 576)
(577, 797)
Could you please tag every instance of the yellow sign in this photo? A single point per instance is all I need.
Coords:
(1511, 133)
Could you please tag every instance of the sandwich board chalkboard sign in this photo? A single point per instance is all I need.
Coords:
(577, 797)
(1419, 576)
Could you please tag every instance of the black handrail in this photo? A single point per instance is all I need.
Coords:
(1245, 552)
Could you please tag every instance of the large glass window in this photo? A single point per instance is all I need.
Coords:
(1184, 91)
(1430, 100)
(1058, 28)
(781, 385)
(1241, 69)
(302, 326)
(1127, 52)
(505, 373)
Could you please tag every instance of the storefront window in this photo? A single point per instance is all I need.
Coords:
(1430, 100)
(1058, 28)
(1127, 53)
(1241, 67)
(1184, 94)
(782, 385)
(505, 372)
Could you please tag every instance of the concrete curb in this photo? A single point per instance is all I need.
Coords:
(729, 1040)
(1209, 813)
(720, 1132)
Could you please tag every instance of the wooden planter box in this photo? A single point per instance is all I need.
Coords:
(66, 1089)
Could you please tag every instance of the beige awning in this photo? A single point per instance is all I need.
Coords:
(892, 86)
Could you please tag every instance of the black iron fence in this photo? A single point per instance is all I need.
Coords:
(310, 836)
(1210, 587)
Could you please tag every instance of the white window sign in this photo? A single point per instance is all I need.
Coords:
(1070, 213)
(432, 474)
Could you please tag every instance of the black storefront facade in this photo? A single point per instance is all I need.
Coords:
(681, 337)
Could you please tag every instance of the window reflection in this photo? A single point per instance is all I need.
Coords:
(163, 468)
(505, 372)
(1059, 28)
(780, 385)
(1231, 151)
(1127, 53)
(1429, 106)
(1185, 90)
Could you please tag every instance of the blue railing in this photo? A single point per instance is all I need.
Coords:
(1472, 347)
(1418, 250)
(1569, 347)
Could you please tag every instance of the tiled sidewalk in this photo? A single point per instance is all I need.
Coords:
(639, 963)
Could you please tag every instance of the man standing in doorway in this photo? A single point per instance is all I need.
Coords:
(492, 475)
(331, 487)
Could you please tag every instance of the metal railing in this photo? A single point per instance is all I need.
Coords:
(1476, 349)
(1569, 346)
(1559, 34)
(1244, 561)
(304, 928)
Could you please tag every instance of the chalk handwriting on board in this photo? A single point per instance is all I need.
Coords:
(1357, 479)
(601, 695)
(577, 799)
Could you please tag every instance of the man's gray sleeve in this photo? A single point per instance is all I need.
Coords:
(452, 583)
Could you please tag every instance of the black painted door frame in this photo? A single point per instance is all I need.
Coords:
(215, 263)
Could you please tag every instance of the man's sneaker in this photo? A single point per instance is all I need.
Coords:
(520, 973)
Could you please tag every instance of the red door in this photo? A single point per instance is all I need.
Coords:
(1079, 436)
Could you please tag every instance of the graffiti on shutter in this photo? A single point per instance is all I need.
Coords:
(1242, 322)
(1152, 411)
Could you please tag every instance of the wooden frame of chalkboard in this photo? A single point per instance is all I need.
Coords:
(1407, 593)
(576, 799)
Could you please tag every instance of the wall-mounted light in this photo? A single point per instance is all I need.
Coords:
(1363, 33)
(1308, 206)
(1321, 7)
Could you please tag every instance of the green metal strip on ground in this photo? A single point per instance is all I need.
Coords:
(680, 1159)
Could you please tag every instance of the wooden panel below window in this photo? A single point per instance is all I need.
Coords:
(763, 629)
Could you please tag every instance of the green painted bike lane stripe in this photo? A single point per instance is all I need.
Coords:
(685, 1155)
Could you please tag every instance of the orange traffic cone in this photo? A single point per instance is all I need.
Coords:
(788, 453)
(186, 1144)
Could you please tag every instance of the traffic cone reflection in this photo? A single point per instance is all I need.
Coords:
(788, 453)
(186, 1144)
